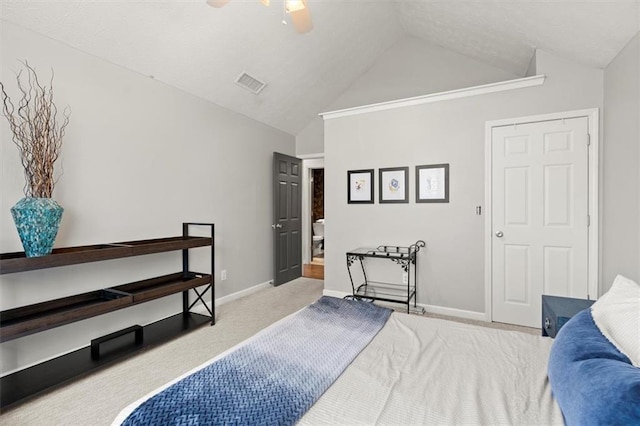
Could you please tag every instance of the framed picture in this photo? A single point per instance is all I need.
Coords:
(394, 185)
(432, 183)
(360, 186)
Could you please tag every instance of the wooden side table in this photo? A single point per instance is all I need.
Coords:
(556, 311)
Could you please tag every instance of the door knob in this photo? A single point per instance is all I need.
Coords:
(276, 226)
(499, 234)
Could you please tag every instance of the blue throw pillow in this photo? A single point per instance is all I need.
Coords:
(593, 382)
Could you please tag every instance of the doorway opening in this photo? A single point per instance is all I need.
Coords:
(315, 268)
(317, 216)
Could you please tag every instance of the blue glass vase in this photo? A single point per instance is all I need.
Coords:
(37, 221)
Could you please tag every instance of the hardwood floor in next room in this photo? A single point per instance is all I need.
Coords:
(313, 270)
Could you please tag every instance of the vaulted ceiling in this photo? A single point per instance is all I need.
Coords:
(201, 50)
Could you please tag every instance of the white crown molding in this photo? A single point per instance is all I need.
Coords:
(484, 89)
(311, 156)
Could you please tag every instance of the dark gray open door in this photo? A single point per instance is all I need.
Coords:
(287, 203)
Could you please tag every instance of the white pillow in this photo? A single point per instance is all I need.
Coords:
(617, 315)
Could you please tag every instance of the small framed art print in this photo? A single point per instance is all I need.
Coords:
(394, 185)
(432, 183)
(360, 186)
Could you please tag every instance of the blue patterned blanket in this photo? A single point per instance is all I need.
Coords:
(274, 378)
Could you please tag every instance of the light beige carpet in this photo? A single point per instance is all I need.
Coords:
(99, 397)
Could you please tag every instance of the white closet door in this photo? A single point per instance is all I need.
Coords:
(540, 189)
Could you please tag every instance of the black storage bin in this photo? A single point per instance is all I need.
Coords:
(556, 311)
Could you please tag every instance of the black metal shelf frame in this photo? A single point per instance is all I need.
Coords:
(405, 257)
(186, 307)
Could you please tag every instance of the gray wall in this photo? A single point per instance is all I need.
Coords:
(409, 68)
(139, 158)
(621, 185)
(452, 266)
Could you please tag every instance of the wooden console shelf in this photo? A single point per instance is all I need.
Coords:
(17, 262)
(143, 291)
(25, 320)
(19, 322)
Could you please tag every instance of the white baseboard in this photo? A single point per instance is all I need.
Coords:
(452, 312)
(334, 293)
(199, 308)
(432, 309)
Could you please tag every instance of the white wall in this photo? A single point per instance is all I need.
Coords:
(411, 67)
(451, 268)
(621, 216)
(139, 158)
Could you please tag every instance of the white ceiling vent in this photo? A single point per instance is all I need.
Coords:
(250, 83)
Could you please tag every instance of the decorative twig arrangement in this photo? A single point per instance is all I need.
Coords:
(36, 132)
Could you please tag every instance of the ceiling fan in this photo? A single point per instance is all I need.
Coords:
(298, 10)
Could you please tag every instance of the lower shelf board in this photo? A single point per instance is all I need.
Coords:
(397, 293)
(24, 384)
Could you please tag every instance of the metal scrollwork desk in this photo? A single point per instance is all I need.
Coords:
(405, 257)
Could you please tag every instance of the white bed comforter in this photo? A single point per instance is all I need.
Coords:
(421, 371)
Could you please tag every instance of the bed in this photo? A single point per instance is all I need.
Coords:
(410, 370)
(422, 371)
(594, 364)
